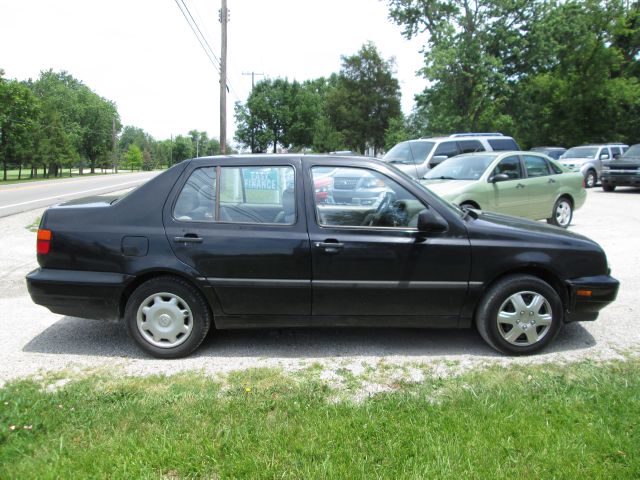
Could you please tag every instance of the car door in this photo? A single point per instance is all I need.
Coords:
(370, 261)
(509, 196)
(541, 186)
(242, 227)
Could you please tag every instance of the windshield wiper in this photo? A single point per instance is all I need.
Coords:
(441, 177)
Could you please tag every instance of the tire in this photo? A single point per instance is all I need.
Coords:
(497, 315)
(562, 213)
(591, 179)
(176, 320)
(608, 188)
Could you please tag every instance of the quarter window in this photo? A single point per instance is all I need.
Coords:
(358, 197)
(197, 199)
(509, 166)
(536, 166)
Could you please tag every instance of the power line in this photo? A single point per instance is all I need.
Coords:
(198, 38)
(215, 61)
(200, 31)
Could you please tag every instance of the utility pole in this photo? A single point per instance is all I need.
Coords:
(224, 18)
(252, 77)
(113, 145)
(253, 74)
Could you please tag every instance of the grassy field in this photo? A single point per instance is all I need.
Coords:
(12, 175)
(574, 421)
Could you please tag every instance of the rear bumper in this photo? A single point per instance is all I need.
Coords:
(78, 294)
(589, 295)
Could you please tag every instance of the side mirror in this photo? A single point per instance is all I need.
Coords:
(604, 156)
(501, 177)
(430, 222)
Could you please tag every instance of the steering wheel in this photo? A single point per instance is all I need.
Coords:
(386, 201)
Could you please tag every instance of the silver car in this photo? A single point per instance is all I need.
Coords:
(588, 160)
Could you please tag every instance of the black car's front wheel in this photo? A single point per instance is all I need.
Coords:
(167, 317)
(519, 314)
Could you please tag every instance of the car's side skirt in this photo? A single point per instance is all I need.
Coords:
(224, 322)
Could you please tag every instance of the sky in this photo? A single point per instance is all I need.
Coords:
(142, 55)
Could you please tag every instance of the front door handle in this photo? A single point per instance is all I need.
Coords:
(520, 185)
(551, 180)
(330, 246)
(188, 238)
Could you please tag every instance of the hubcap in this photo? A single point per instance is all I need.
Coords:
(164, 320)
(524, 318)
(563, 213)
(591, 180)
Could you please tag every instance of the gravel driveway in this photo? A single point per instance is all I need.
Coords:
(35, 340)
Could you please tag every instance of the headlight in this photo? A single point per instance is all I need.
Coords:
(371, 183)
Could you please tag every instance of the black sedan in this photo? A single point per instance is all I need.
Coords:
(243, 242)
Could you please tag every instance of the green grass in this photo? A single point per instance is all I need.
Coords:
(12, 175)
(575, 421)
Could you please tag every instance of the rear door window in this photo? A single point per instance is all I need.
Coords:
(447, 149)
(536, 166)
(503, 144)
(470, 146)
(257, 195)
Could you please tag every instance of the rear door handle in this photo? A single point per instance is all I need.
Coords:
(551, 180)
(330, 246)
(519, 185)
(188, 238)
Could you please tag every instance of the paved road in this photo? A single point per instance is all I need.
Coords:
(20, 197)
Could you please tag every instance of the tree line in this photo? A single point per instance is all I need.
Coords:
(57, 123)
(350, 109)
(546, 72)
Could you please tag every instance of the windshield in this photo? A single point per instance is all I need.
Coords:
(634, 151)
(405, 152)
(581, 152)
(462, 167)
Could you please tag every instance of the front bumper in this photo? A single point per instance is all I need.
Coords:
(589, 295)
(82, 294)
(622, 180)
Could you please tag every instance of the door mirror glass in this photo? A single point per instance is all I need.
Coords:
(430, 222)
(501, 177)
(604, 156)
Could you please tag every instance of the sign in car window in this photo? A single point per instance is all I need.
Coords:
(261, 179)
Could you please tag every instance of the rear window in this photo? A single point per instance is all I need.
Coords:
(503, 144)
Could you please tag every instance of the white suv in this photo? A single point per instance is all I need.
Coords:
(417, 157)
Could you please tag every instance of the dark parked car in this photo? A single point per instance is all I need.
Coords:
(243, 242)
(622, 172)
(553, 152)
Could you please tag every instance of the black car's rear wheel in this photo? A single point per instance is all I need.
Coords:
(167, 317)
(520, 314)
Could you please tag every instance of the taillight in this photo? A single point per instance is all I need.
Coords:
(44, 241)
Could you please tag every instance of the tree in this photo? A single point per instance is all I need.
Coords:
(365, 99)
(134, 157)
(18, 116)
